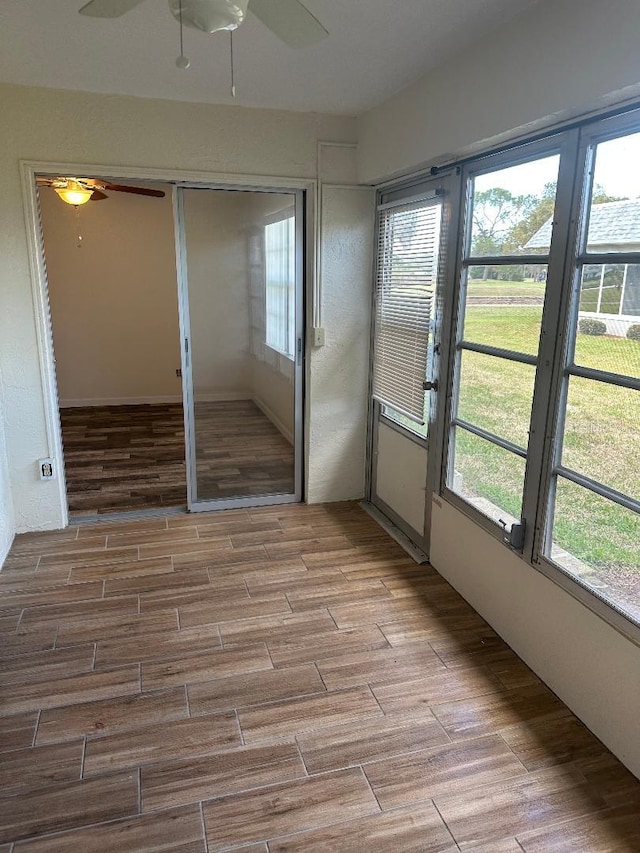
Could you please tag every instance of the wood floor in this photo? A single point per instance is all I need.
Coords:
(239, 452)
(123, 458)
(279, 679)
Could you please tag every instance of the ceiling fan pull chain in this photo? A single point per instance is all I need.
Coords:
(182, 61)
(233, 84)
(79, 240)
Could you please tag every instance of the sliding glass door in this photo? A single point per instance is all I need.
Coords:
(240, 264)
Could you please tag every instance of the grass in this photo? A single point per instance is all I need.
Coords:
(601, 435)
(477, 287)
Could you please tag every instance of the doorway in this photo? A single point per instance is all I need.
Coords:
(177, 334)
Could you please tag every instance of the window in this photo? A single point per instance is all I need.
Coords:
(280, 279)
(593, 520)
(503, 280)
(408, 264)
(543, 424)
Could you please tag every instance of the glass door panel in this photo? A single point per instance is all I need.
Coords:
(241, 271)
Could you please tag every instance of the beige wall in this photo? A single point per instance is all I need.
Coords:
(114, 304)
(216, 249)
(74, 127)
(558, 59)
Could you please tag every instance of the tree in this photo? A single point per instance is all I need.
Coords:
(540, 210)
(496, 213)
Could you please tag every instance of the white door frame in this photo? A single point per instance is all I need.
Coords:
(39, 283)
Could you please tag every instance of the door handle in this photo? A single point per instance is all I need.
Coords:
(430, 386)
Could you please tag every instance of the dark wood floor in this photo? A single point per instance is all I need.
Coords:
(280, 679)
(239, 452)
(123, 458)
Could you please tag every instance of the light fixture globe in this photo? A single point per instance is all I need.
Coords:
(210, 15)
(74, 193)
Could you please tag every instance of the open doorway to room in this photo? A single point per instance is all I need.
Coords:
(114, 314)
(177, 331)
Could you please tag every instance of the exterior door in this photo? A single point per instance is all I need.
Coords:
(412, 228)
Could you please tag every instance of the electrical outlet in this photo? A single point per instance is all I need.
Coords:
(318, 336)
(46, 469)
(179, 373)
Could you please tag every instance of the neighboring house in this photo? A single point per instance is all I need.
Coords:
(609, 292)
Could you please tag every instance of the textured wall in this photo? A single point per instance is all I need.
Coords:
(57, 126)
(557, 59)
(338, 395)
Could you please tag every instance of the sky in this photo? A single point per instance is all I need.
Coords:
(617, 171)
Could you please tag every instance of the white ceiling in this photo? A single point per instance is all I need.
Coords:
(375, 48)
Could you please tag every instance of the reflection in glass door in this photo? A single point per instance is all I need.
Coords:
(240, 269)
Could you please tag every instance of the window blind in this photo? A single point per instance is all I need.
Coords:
(407, 270)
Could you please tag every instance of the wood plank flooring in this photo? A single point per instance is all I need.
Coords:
(239, 452)
(274, 680)
(123, 458)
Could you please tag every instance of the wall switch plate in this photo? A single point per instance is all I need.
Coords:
(318, 336)
(46, 469)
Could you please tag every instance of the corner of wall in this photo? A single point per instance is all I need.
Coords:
(7, 516)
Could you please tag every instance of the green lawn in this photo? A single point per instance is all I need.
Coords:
(601, 437)
(477, 287)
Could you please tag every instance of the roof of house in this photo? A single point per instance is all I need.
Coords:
(614, 223)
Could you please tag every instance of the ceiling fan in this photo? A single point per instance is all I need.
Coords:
(78, 191)
(292, 22)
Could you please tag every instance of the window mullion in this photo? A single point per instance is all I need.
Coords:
(551, 382)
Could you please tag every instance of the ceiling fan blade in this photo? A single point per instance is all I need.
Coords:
(121, 188)
(97, 195)
(290, 21)
(108, 8)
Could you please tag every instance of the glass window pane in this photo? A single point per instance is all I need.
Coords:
(488, 477)
(503, 306)
(513, 209)
(614, 216)
(496, 395)
(601, 434)
(403, 421)
(599, 542)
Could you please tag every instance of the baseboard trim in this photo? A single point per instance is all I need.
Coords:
(223, 397)
(275, 420)
(76, 403)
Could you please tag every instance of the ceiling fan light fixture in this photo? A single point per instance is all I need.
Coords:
(210, 15)
(74, 193)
